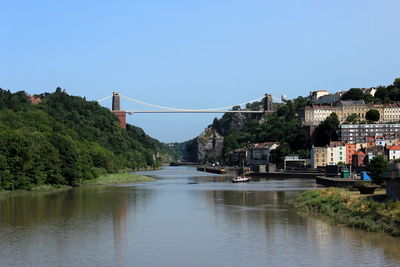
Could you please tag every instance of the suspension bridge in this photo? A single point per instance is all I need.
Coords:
(121, 114)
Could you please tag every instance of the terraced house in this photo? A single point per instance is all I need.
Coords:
(314, 115)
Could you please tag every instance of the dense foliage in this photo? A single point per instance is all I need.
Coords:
(342, 209)
(376, 167)
(326, 131)
(282, 126)
(353, 94)
(65, 140)
(372, 115)
(383, 94)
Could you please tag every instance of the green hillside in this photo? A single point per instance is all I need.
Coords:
(65, 140)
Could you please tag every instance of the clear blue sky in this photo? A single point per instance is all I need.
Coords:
(196, 54)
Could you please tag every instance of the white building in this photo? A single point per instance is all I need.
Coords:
(336, 153)
(394, 152)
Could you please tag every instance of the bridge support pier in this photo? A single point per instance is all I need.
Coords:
(116, 109)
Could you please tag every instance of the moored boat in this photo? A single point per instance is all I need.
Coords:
(240, 179)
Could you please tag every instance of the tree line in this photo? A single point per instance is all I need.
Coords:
(66, 140)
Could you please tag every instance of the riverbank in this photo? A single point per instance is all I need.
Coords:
(343, 207)
(119, 178)
(36, 189)
(113, 178)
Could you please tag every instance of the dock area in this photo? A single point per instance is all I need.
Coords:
(336, 182)
(216, 170)
(285, 175)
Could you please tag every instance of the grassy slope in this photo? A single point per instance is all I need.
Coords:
(343, 208)
(120, 178)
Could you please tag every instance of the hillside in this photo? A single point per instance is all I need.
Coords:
(234, 130)
(238, 130)
(65, 139)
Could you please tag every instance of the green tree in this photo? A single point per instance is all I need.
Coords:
(368, 98)
(372, 115)
(353, 118)
(396, 83)
(230, 144)
(326, 131)
(376, 167)
(278, 154)
(353, 94)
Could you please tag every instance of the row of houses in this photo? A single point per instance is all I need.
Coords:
(355, 154)
(314, 115)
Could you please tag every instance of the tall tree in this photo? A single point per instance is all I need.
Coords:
(372, 115)
(326, 131)
(353, 94)
(376, 167)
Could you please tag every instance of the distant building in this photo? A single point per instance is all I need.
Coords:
(260, 154)
(322, 97)
(336, 153)
(359, 159)
(314, 115)
(328, 155)
(34, 99)
(372, 152)
(394, 152)
(315, 95)
(350, 150)
(370, 91)
(318, 156)
(356, 133)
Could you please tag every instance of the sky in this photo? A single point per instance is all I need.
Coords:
(196, 54)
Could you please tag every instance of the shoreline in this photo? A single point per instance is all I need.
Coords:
(119, 178)
(111, 178)
(342, 207)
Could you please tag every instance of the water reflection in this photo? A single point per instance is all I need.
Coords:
(185, 218)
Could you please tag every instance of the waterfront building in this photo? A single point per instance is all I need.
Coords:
(318, 156)
(350, 150)
(328, 155)
(356, 133)
(336, 153)
(260, 154)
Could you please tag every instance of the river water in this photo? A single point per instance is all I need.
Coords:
(184, 218)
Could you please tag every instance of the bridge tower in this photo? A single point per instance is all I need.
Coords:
(116, 109)
(268, 102)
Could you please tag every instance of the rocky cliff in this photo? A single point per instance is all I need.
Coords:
(209, 144)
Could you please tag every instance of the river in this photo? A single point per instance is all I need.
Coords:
(184, 218)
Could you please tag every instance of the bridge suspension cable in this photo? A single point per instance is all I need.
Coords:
(103, 99)
(188, 110)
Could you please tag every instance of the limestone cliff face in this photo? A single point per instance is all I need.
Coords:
(209, 144)
(233, 121)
